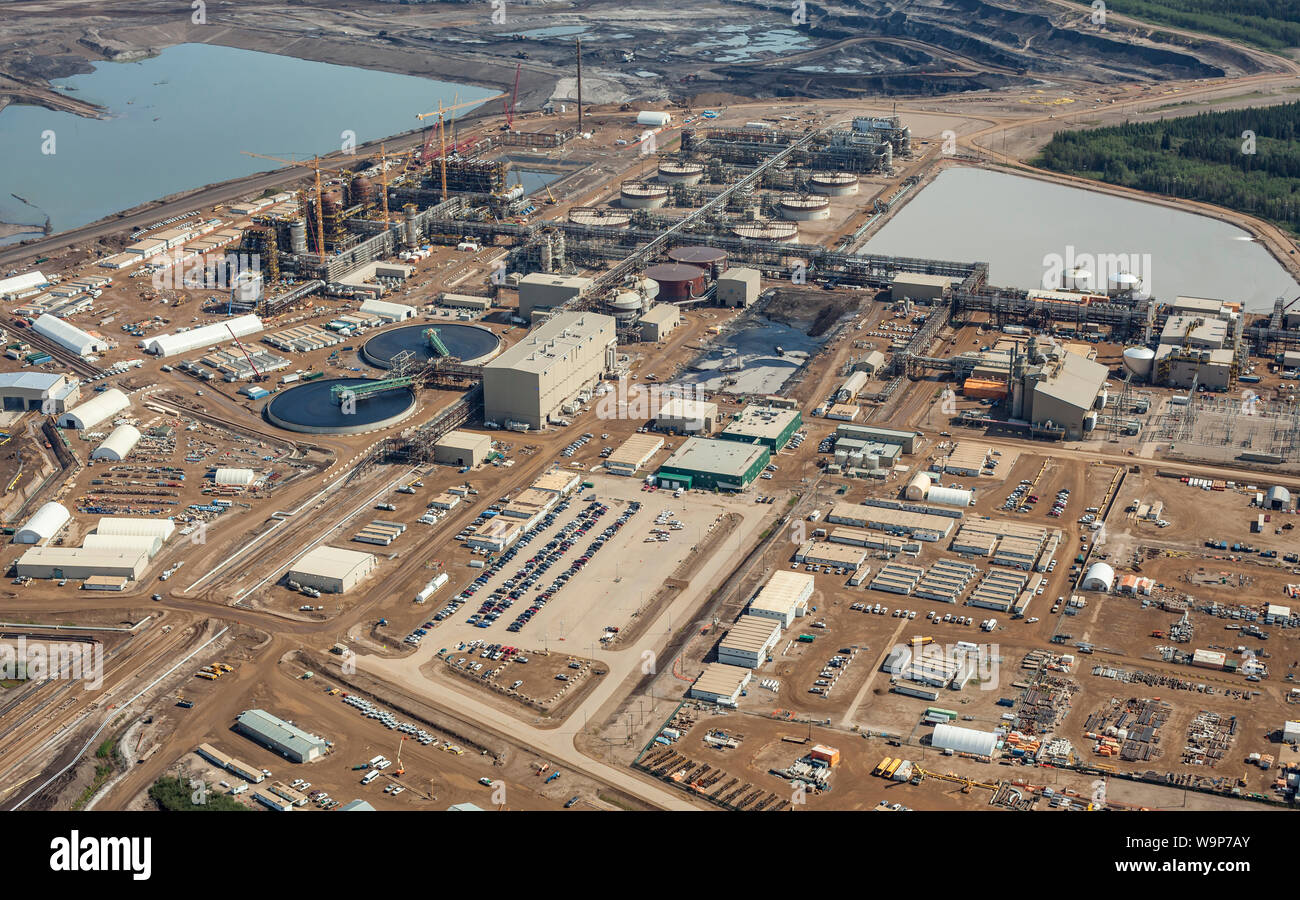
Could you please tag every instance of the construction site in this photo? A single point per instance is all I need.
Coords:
(579, 454)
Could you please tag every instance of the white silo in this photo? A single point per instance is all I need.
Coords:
(1138, 360)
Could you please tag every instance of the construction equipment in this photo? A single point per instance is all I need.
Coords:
(441, 113)
(400, 770)
(257, 376)
(510, 107)
(315, 165)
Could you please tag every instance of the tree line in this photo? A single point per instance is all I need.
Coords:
(1246, 159)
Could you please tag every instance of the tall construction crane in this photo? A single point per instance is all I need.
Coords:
(441, 113)
(510, 107)
(257, 376)
(315, 165)
(401, 770)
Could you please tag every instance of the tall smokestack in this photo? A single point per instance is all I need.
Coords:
(578, 42)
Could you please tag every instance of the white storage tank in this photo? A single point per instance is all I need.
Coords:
(642, 195)
(833, 184)
(680, 172)
(804, 209)
(1138, 360)
(1077, 279)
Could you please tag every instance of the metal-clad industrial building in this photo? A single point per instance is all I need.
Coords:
(95, 410)
(44, 524)
(633, 454)
(462, 448)
(784, 598)
(79, 563)
(749, 641)
(118, 445)
(683, 415)
(1065, 393)
(904, 439)
(721, 683)
(542, 291)
(47, 392)
(917, 286)
(713, 464)
(332, 569)
(768, 425)
(659, 322)
(738, 287)
(390, 312)
(553, 363)
(289, 741)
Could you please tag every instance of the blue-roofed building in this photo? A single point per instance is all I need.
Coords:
(288, 740)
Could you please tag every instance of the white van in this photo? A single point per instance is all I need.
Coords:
(369, 777)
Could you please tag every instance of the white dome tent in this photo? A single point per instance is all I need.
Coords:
(964, 740)
(43, 525)
(118, 445)
(1100, 577)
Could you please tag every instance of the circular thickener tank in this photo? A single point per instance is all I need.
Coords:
(312, 408)
(680, 173)
(600, 216)
(1139, 360)
(642, 195)
(804, 209)
(468, 343)
(677, 281)
(772, 232)
(833, 184)
(649, 287)
(711, 259)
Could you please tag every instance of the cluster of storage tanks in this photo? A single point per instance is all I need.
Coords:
(629, 303)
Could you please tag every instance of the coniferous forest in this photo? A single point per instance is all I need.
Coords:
(1246, 160)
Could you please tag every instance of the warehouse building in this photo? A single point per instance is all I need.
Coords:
(557, 360)
(767, 425)
(721, 683)
(44, 524)
(904, 439)
(332, 569)
(202, 337)
(51, 394)
(749, 642)
(784, 598)
(118, 445)
(922, 526)
(738, 287)
(557, 482)
(633, 454)
(1062, 391)
(660, 322)
(964, 740)
(125, 525)
(80, 563)
(462, 448)
(852, 386)
(97, 409)
(68, 336)
(682, 415)
(542, 291)
(917, 286)
(389, 312)
(495, 535)
(288, 740)
(825, 553)
(714, 465)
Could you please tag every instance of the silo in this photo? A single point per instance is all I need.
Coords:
(1138, 360)
(298, 237)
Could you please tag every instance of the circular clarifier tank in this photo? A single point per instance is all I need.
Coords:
(313, 409)
(468, 343)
